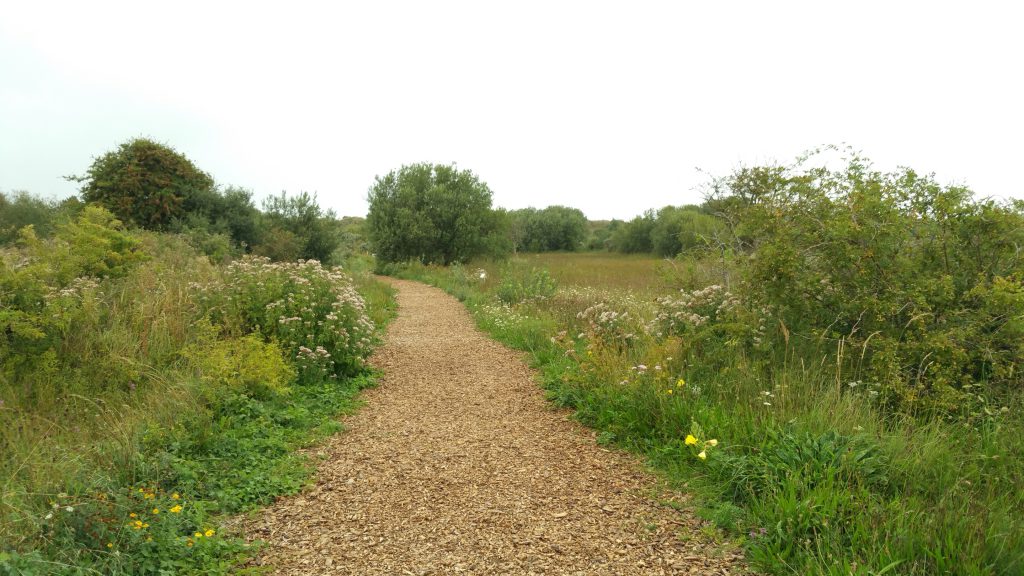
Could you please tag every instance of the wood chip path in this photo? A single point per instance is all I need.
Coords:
(457, 465)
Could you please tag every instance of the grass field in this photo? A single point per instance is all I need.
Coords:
(787, 455)
(638, 273)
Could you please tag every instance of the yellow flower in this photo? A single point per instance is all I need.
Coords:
(198, 534)
(703, 455)
(669, 391)
(175, 496)
(209, 533)
(712, 442)
(156, 510)
(110, 544)
(189, 543)
(175, 509)
(690, 440)
(681, 383)
(132, 515)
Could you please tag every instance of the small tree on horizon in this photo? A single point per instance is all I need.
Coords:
(430, 213)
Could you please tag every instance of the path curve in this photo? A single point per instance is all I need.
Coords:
(457, 465)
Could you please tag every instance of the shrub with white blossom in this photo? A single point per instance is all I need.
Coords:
(314, 313)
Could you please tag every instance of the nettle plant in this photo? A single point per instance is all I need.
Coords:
(314, 313)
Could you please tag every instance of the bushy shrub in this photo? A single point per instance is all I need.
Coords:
(520, 285)
(431, 214)
(314, 313)
(245, 365)
(297, 228)
(917, 283)
(46, 285)
(21, 209)
(634, 237)
(146, 183)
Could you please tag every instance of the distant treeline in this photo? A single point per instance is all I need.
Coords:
(150, 185)
(665, 232)
(422, 212)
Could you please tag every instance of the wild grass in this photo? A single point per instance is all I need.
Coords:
(633, 272)
(784, 448)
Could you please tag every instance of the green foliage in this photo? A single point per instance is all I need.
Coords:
(547, 230)
(297, 228)
(222, 224)
(244, 365)
(430, 214)
(21, 209)
(314, 313)
(49, 287)
(601, 232)
(635, 236)
(521, 284)
(784, 452)
(682, 229)
(668, 232)
(920, 283)
(146, 183)
(114, 382)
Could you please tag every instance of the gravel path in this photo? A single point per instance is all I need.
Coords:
(456, 465)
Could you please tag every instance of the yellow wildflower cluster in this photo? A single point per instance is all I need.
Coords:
(199, 536)
(679, 385)
(692, 440)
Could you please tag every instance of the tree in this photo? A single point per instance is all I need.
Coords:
(298, 228)
(635, 236)
(550, 229)
(679, 229)
(146, 183)
(430, 213)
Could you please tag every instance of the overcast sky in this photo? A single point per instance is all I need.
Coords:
(612, 108)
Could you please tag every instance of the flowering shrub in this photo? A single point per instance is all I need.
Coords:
(314, 313)
(610, 326)
(693, 309)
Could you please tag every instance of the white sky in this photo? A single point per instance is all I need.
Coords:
(607, 107)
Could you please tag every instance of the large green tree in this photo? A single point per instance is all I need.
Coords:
(432, 214)
(147, 183)
(550, 229)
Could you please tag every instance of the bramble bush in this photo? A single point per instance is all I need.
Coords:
(917, 285)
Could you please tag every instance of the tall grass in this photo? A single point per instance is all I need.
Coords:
(785, 449)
